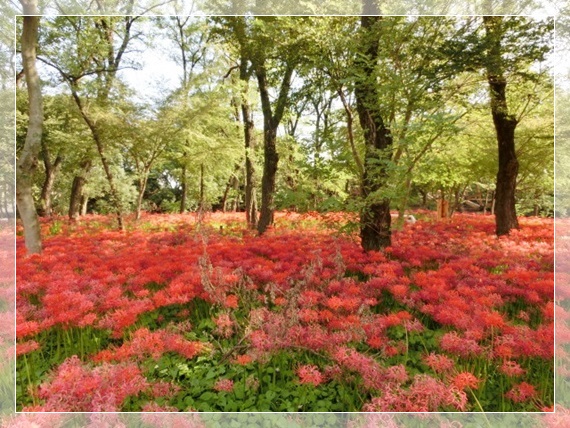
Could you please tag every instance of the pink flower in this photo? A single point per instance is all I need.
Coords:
(453, 343)
(231, 301)
(465, 380)
(439, 363)
(224, 325)
(74, 387)
(26, 347)
(243, 360)
(309, 374)
(511, 368)
(226, 385)
(521, 392)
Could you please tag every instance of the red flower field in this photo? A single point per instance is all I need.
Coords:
(178, 314)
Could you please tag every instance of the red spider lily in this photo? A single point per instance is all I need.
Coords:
(145, 343)
(226, 385)
(439, 363)
(465, 380)
(243, 360)
(521, 392)
(308, 315)
(224, 325)
(426, 394)
(26, 328)
(397, 374)
(74, 387)
(309, 374)
(455, 273)
(163, 389)
(454, 344)
(231, 301)
(511, 368)
(27, 347)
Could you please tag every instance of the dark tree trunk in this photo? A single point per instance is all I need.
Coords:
(505, 124)
(270, 123)
(350, 131)
(201, 204)
(233, 183)
(249, 138)
(27, 162)
(239, 26)
(142, 187)
(375, 220)
(224, 202)
(248, 133)
(84, 202)
(95, 132)
(75, 199)
(184, 191)
(51, 172)
(271, 158)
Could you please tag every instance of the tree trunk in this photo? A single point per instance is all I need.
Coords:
(233, 183)
(245, 72)
(77, 190)
(375, 218)
(224, 202)
(184, 191)
(84, 202)
(27, 163)
(201, 205)
(350, 131)
(114, 192)
(505, 124)
(270, 123)
(51, 172)
(140, 197)
(271, 158)
(249, 138)
(236, 201)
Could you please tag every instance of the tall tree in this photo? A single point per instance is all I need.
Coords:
(245, 72)
(375, 218)
(505, 124)
(100, 44)
(27, 162)
(236, 32)
(269, 30)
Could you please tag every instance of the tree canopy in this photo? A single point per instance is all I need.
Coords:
(299, 113)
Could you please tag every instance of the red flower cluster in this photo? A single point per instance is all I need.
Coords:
(521, 392)
(145, 343)
(310, 374)
(74, 387)
(305, 288)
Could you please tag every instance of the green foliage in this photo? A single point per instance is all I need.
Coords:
(429, 81)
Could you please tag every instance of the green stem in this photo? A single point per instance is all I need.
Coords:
(28, 372)
(477, 401)
(81, 349)
(502, 395)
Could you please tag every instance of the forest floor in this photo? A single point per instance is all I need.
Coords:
(183, 313)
